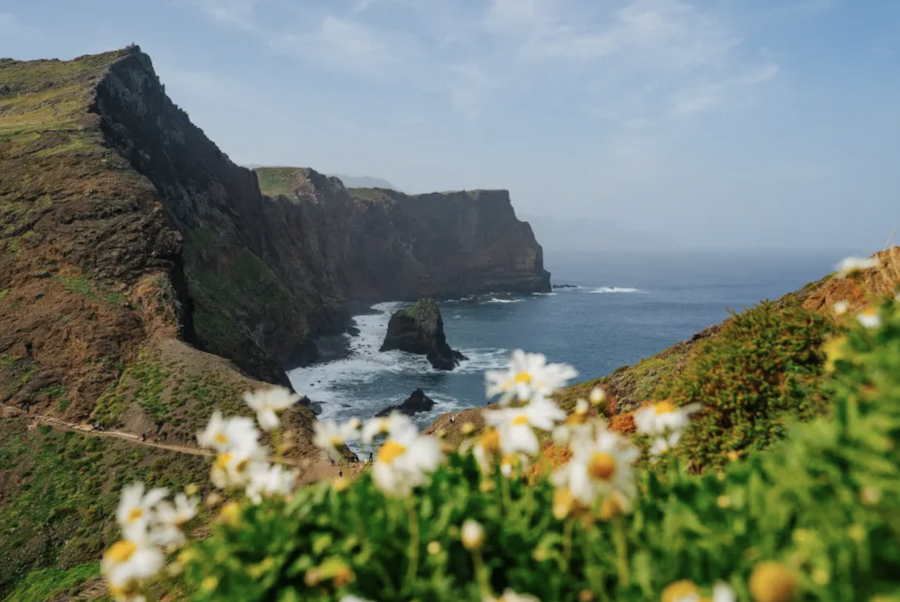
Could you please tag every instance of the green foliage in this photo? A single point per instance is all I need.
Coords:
(50, 584)
(60, 491)
(824, 502)
(758, 374)
(283, 181)
(168, 392)
(92, 290)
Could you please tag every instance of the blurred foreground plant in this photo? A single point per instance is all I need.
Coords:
(816, 517)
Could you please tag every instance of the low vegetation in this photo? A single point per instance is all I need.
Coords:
(58, 514)
(811, 512)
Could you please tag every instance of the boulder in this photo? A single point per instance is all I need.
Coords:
(416, 402)
(313, 406)
(420, 329)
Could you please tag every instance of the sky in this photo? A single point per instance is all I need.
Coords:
(719, 123)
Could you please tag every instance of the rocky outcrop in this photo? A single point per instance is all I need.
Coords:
(415, 403)
(420, 329)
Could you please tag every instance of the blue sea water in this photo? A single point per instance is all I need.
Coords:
(626, 307)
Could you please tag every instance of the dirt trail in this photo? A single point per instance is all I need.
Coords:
(311, 470)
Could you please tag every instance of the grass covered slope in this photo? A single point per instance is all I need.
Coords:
(59, 491)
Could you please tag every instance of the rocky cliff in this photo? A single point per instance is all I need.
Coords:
(122, 224)
(390, 245)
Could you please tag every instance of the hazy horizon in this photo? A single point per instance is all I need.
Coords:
(710, 123)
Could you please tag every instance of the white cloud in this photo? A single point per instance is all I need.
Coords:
(468, 86)
(236, 13)
(343, 45)
(713, 95)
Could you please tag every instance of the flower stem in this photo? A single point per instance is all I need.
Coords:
(481, 575)
(567, 542)
(413, 540)
(276, 443)
(622, 550)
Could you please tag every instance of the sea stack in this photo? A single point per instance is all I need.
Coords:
(420, 329)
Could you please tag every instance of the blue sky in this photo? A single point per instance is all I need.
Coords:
(726, 122)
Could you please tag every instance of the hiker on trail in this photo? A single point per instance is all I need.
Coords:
(370, 457)
(341, 473)
(332, 461)
(143, 436)
(452, 418)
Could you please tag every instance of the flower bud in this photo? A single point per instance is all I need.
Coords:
(472, 535)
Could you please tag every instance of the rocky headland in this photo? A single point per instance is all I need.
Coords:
(419, 329)
(146, 279)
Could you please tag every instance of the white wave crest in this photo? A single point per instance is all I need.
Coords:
(614, 289)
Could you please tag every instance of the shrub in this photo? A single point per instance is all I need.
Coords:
(761, 372)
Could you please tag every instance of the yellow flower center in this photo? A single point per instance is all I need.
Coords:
(134, 515)
(221, 438)
(870, 311)
(664, 407)
(602, 466)
(679, 589)
(490, 441)
(520, 420)
(390, 451)
(772, 582)
(222, 461)
(523, 377)
(336, 440)
(121, 551)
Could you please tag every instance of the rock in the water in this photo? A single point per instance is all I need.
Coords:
(416, 402)
(420, 329)
(565, 286)
(313, 406)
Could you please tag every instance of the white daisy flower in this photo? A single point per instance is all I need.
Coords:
(393, 423)
(266, 481)
(136, 507)
(511, 596)
(663, 417)
(599, 468)
(405, 459)
(851, 265)
(353, 599)
(329, 435)
(664, 443)
(721, 593)
(234, 469)
(268, 402)
(128, 562)
(170, 520)
(527, 377)
(597, 396)
(869, 318)
(515, 425)
(841, 307)
(228, 434)
(510, 462)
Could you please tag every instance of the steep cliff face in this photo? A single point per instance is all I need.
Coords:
(390, 245)
(122, 224)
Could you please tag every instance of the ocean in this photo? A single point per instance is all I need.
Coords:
(625, 307)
